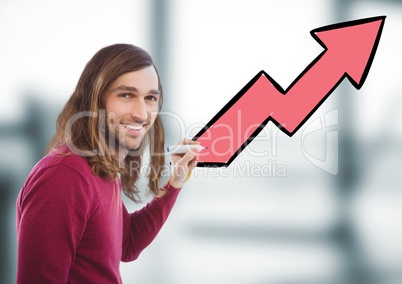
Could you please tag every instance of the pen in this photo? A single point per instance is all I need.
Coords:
(182, 149)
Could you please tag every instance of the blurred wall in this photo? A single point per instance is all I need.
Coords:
(275, 215)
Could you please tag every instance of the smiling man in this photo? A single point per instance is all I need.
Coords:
(72, 225)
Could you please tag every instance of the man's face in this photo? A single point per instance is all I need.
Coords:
(131, 104)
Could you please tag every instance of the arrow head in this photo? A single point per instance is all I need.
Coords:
(352, 45)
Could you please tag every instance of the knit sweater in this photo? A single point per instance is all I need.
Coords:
(73, 227)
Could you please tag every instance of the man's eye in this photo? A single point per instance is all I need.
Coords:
(124, 95)
(152, 98)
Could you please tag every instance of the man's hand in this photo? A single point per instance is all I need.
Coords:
(183, 164)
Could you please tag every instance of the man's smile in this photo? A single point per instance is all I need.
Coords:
(133, 126)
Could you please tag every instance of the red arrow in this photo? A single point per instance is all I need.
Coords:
(349, 51)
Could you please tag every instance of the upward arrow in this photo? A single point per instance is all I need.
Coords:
(349, 50)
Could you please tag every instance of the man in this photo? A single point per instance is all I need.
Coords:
(72, 226)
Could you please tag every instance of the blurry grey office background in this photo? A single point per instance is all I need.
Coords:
(324, 206)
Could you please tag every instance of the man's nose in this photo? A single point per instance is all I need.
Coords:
(139, 110)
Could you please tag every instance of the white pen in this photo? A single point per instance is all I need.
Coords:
(182, 149)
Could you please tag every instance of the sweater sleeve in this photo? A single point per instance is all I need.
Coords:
(142, 226)
(51, 215)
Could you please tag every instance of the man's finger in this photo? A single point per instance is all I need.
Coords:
(189, 156)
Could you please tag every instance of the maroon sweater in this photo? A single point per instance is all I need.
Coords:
(73, 227)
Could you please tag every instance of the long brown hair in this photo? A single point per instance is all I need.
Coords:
(85, 134)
